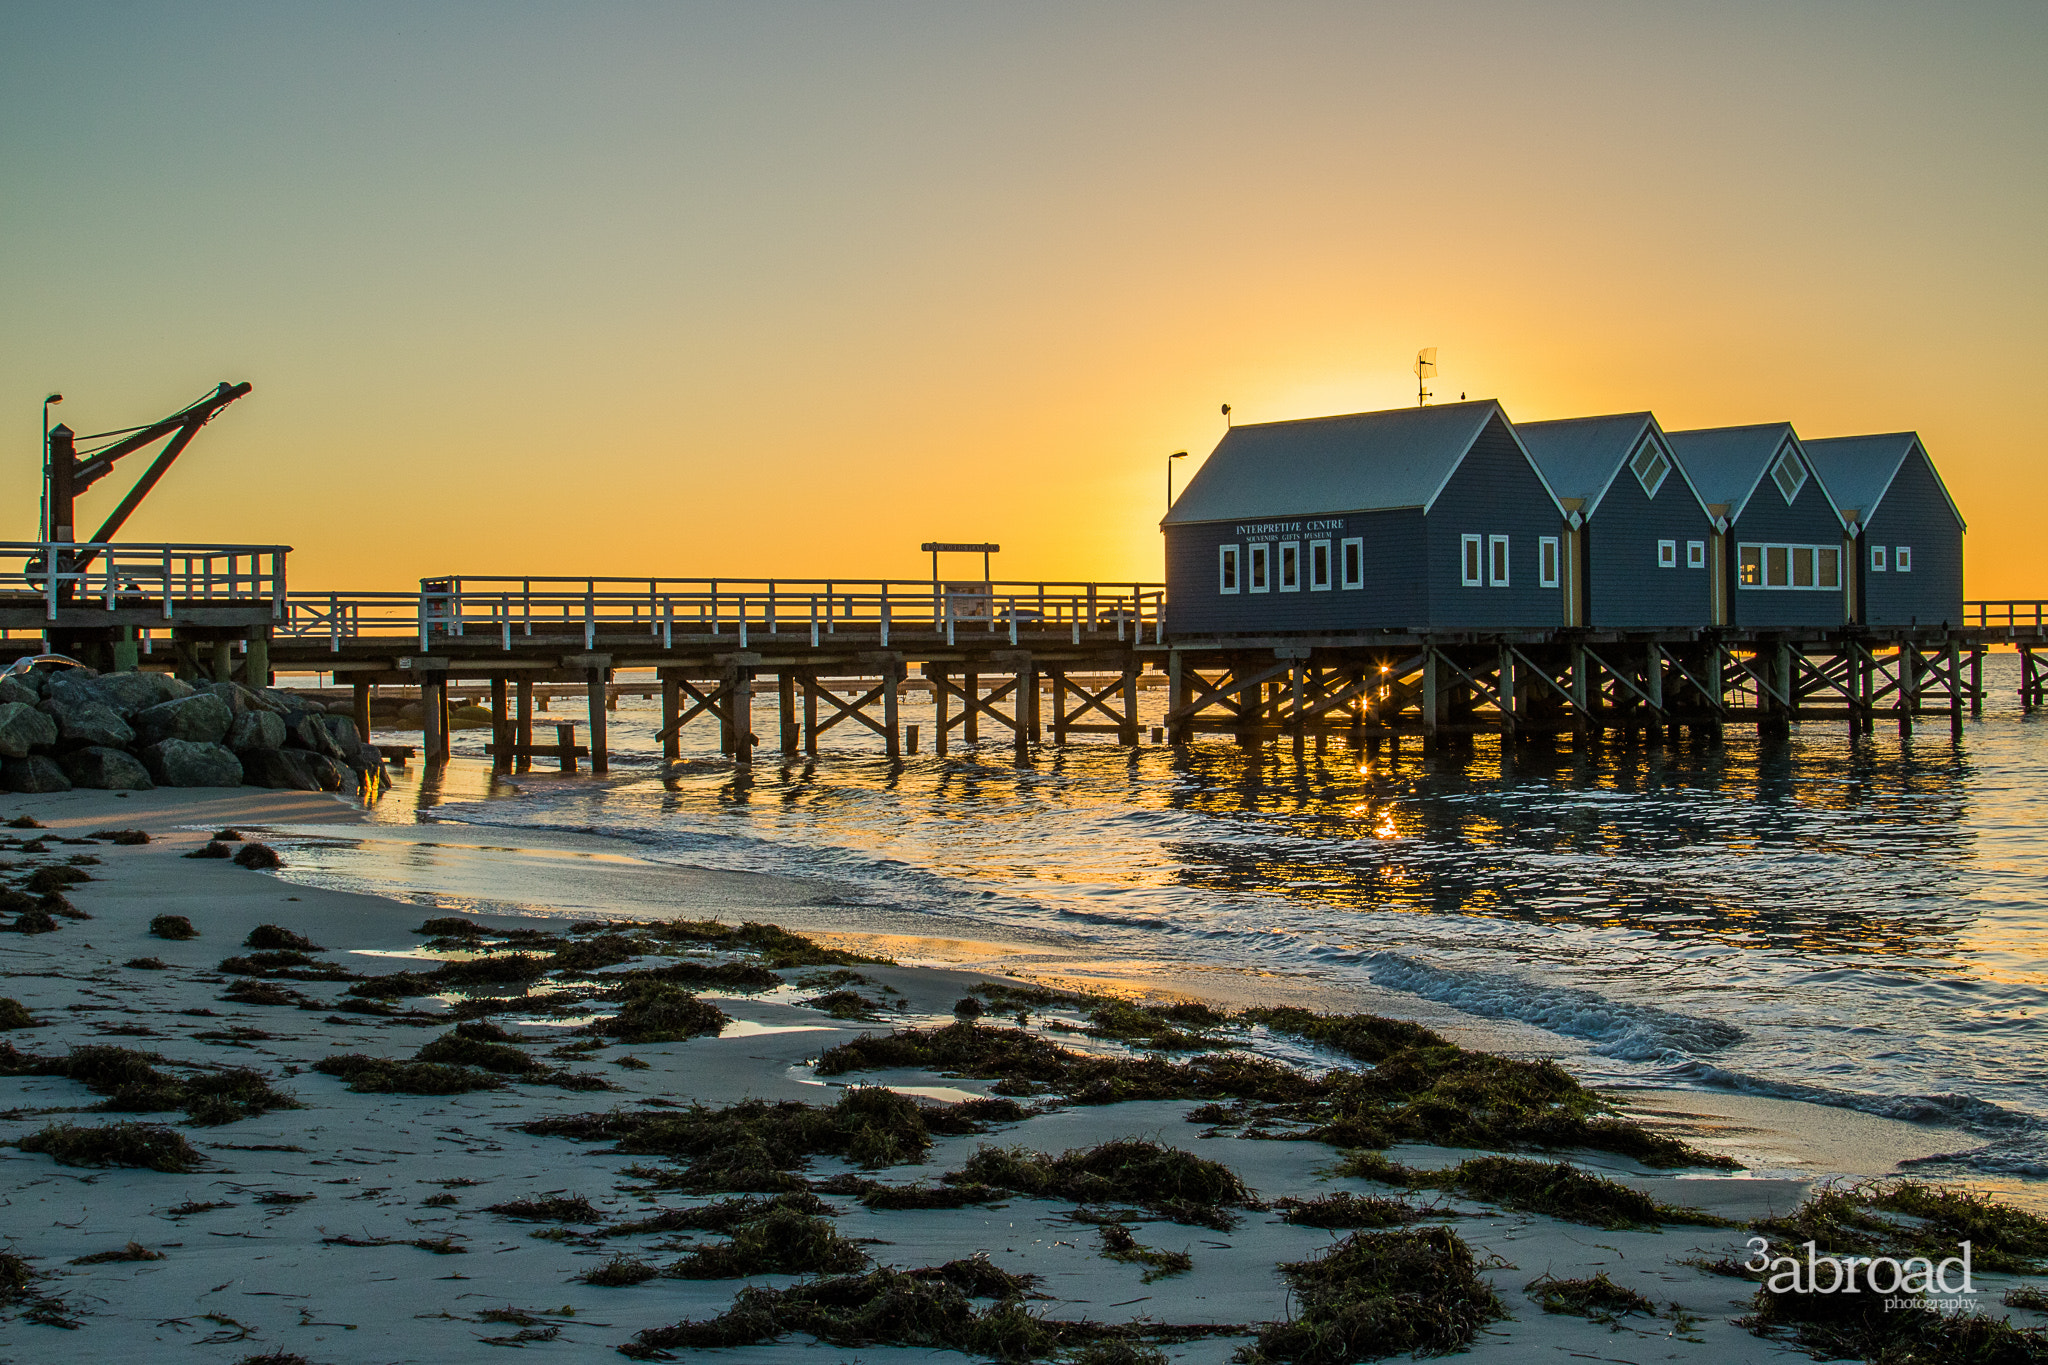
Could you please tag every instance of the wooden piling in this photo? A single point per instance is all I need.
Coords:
(223, 661)
(599, 760)
(433, 718)
(810, 682)
(785, 696)
(970, 723)
(892, 731)
(1129, 736)
(502, 742)
(255, 664)
(671, 719)
(1059, 704)
(1955, 687)
(1976, 680)
(937, 673)
(360, 704)
(739, 713)
(522, 726)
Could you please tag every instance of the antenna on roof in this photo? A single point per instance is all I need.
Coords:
(1425, 369)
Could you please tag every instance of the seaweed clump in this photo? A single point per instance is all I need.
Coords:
(1174, 1184)
(1119, 1245)
(659, 1012)
(782, 1241)
(1347, 1210)
(172, 927)
(132, 1082)
(384, 1076)
(122, 836)
(258, 857)
(285, 964)
(1378, 1294)
(934, 1307)
(755, 1146)
(276, 936)
(1555, 1189)
(1913, 1218)
(1597, 1298)
(149, 1146)
(14, 1014)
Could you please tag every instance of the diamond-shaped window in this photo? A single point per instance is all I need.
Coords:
(1789, 474)
(1650, 468)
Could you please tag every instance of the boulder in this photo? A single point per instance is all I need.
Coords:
(256, 730)
(132, 693)
(23, 728)
(81, 720)
(36, 773)
(183, 763)
(329, 773)
(105, 769)
(285, 769)
(309, 732)
(342, 730)
(19, 689)
(201, 718)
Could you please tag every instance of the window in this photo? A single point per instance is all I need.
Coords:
(1650, 468)
(1226, 570)
(1290, 566)
(1260, 560)
(1473, 553)
(1546, 560)
(1497, 561)
(1800, 568)
(1695, 554)
(1877, 559)
(1902, 559)
(1319, 566)
(1354, 562)
(1777, 566)
(1789, 473)
(1667, 554)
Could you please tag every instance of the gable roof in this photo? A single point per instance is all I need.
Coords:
(1582, 456)
(1358, 462)
(1859, 470)
(1726, 464)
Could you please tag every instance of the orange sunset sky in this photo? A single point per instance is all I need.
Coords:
(777, 288)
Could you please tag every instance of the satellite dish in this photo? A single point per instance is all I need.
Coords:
(1425, 369)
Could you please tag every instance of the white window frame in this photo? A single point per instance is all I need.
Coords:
(1902, 559)
(1352, 551)
(1500, 562)
(1787, 558)
(1695, 554)
(1229, 570)
(1547, 561)
(1321, 572)
(1667, 554)
(1791, 456)
(1290, 553)
(1878, 560)
(1258, 568)
(1472, 561)
(1650, 457)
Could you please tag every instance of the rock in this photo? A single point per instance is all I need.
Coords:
(36, 773)
(285, 769)
(328, 772)
(18, 689)
(105, 769)
(23, 728)
(131, 693)
(342, 730)
(309, 732)
(81, 720)
(183, 763)
(256, 730)
(201, 718)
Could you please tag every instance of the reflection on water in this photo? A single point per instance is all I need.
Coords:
(1856, 921)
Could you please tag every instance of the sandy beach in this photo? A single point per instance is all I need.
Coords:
(359, 1226)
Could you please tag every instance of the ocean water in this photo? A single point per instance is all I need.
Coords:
(1858, 923)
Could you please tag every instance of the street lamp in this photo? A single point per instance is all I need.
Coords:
(43, 507)
(1177, 455)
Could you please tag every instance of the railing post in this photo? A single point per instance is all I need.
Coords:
(743, 621)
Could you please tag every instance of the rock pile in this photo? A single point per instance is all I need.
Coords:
(131, 731)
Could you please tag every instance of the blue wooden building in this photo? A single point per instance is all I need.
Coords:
(1415, 519)
(1778, 559)
(1906, 563)
(1636, 531)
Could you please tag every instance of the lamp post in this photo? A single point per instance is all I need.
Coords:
(1177, 455)
(43, 507)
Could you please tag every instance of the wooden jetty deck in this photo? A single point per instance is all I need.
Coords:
(1023, 659)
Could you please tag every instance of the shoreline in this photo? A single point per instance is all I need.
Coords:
(325, 1204)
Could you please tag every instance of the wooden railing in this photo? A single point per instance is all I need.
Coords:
(2012, 614)
(117, 574)
(746, 611)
